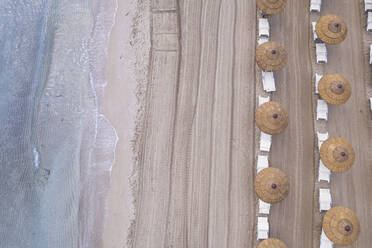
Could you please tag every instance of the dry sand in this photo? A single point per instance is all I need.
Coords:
(197, 142)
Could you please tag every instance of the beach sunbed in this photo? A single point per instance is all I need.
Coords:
(263, 207)
(265, 142)
(262, 228)
(315, 36)
(262, 100)
(317, 79)
(321, 53)
(324, 172)
(369, 21)
(325, 200)
(263, 27)
(324, 241)
(322, 110)
(268, 81)
(321, 138)
(262, 162)
(370, 102)
(315, 5)
(367, 5)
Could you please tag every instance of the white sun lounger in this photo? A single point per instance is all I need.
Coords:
(264, 208)
(263, 27)
(262, 228)
(322, 110)
(262, 162)
(321, 138)
(262, 40)
(315, 5)
(268, 81)
(369, 21)
(370, 102)
(324, 172)
(325, 200)
(367, 5)
(315, 36)
(370, 52)
(324, 241)
(265, 142)
(317, 79)
(321, 53)
(262, 100)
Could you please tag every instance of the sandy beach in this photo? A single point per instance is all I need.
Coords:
(131, 123)
(197, 143)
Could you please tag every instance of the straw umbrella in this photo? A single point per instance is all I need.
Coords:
(271, 185)
(271, 118)
(334, 89)
(272, 243)
(337, 154)
(271, 56)
(331, 29)
(341, 226)
(271, 6)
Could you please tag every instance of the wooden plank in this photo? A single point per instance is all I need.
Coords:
(164, 42)
(164, 5)
(165, 23)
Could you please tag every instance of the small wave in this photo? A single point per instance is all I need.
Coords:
(36, 158)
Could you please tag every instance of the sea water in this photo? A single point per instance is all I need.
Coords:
(56, 147)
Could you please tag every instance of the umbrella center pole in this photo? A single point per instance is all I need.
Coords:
(334, 27)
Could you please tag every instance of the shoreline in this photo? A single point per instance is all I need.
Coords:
(126, 74)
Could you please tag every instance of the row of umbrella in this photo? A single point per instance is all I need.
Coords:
(340, 224)
(271, 184)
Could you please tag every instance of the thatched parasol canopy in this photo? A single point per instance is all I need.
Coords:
(341, 226)
(271, 56)
(337, 154)
(271, 6)
(272, 243)
(331, 29)
(334, 89)
(271, 118)
(271, 185)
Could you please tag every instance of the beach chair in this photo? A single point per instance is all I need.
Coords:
(324, 241)
(321, 138)
(325, 200)
(369, 21)
(321, 53)
(263, 27)
(315, 5)
(262, 100)
(324, 173)
(262, 162)
(268, 81)
(317, 79)
(263, 207)
(322, 110)
(262, 228)
(265, 142)
(262, 40)
(315, 36)
(367, 5)
(370, 53)
(370, 102)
